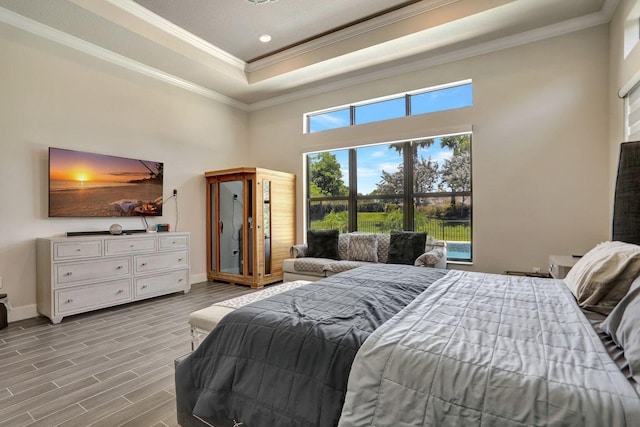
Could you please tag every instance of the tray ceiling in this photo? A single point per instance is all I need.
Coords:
(210, 46)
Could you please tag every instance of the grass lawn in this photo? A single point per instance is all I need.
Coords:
(373, 222)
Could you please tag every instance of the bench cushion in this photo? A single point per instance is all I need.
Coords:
(208, 318)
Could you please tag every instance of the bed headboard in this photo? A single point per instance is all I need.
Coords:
(626, 204)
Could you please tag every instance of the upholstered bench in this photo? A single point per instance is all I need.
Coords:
(203, 321)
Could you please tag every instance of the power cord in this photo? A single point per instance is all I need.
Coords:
(175, 197)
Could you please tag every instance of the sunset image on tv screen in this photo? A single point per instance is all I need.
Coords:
(96, 185)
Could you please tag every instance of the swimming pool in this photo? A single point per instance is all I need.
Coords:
(459, 251)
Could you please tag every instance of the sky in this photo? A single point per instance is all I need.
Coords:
(421, 103)
(374, 158)
(72, 165)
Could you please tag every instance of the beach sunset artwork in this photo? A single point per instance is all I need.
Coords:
(96, 185)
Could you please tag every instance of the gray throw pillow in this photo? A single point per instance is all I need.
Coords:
(623, 325)
(405, 247)
(363, 247)
(322, 244)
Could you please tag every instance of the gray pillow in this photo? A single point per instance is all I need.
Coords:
(623, 325)
(322, 244)
(405, 247)
(363, 247)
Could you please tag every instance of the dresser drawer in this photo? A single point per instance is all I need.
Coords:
(165, 261)
(75, 250)
(161, 284)
(80, 299)
(71, 273)
(127, 246)
(173, 242)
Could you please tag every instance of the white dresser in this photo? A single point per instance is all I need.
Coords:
(80, 274)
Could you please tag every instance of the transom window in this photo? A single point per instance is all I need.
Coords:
(421, 185)
(423, 101)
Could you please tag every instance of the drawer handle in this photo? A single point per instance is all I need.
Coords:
(173, 243)
(120, 267)
(143, 264)
(68, 273)
(180, 279)
(144, 286)
(70, 300)
(131, 246)
(120, 291)
(180, 259)
(78, 250)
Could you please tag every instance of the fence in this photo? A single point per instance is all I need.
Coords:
(458, 230)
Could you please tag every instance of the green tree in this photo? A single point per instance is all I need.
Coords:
(326, 176)
(394, 221)
(420, 143)
(336, 220)
(458, 143)
(456, 173)
(425, 173)
(390, 182)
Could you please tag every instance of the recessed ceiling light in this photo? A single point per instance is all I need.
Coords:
(265, 38)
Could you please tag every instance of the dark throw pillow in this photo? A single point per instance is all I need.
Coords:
(405, 247)
(322, 244)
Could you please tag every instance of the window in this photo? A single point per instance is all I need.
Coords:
(378, 111)
(632, 115)
(423, 101)
(421, 185)
(330, 120)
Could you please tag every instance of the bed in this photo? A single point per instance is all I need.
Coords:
(399, 345)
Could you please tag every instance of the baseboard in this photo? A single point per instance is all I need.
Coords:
(22, 312)
(197, 278)
(30, 311)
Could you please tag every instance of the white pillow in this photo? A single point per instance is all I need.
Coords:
(602, 277)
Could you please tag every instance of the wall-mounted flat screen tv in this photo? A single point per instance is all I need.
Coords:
(96, 185)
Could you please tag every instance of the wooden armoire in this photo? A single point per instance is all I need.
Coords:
(251, 224)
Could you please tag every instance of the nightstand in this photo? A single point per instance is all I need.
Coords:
(559, 265)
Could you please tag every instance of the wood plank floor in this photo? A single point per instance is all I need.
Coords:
(112, 367)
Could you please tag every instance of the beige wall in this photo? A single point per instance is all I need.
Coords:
(50, 96)
(622, 71)
(540, 144)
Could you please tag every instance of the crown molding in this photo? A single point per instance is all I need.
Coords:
(594, 19)
(168, 27)
(75, 43)
(72, 42)
(347, 33)
(609, 8)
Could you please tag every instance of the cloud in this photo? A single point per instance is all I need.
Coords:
(329, 121)
(389, 166)
(441, 156)
(379, 153)
(368, 172)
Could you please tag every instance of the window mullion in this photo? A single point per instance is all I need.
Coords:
(408, 186)
(352, 205)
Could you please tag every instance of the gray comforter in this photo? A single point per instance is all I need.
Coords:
(488, 350)
(284, 361)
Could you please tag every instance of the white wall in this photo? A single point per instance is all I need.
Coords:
(540, 144)
(50, 96)
(621, 71)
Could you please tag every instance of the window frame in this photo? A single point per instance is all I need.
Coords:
(408, 196)
(352, 107)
